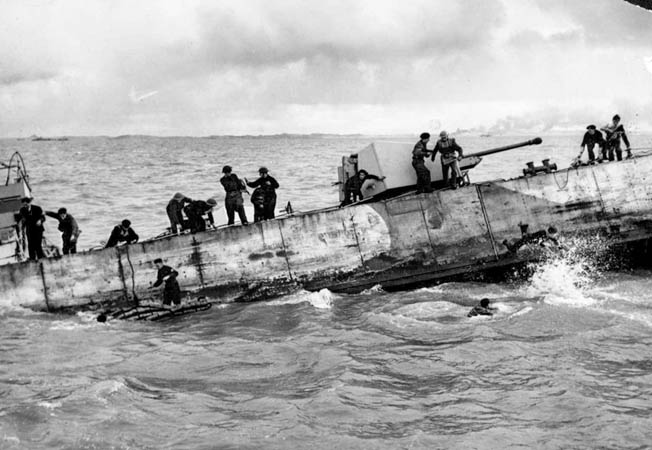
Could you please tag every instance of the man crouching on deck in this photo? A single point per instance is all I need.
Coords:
(171, 290)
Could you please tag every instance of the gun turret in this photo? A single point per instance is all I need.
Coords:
(391, 162)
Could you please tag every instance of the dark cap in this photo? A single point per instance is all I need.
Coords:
(158, 260)
(226, 169)
(26, 200)
(616, 117)
(484, 302)
(591, 127)
(126, 223)
(263, 170)
(425, 136)
(62, 211)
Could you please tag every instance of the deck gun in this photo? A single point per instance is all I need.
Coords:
(392, 162)
(471, 160)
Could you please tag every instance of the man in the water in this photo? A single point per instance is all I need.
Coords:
(483, 309)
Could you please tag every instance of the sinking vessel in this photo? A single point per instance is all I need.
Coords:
(393, 238)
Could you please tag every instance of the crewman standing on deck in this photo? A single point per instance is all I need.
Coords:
(613, 133)
(233, 201)
(32, 218)
(174, 211)
(419, 153)
(69, 230)
(451, 153)
(268, 186)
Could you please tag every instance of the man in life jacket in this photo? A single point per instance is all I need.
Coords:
(233, 201)
(451, 153)
(613, 133)
(419, 153)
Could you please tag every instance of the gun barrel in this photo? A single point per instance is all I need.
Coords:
(535, 141)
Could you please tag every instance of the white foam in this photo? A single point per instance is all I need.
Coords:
(561, 282)
(377, 289)
(68, 325)
(522, 311)
(49, 405)
(321, 300)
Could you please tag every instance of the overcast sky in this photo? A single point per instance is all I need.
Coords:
(191, 67)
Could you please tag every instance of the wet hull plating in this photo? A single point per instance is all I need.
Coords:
(394, 242)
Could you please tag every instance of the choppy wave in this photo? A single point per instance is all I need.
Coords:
(564, 362)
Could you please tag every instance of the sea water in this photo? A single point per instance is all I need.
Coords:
(566, 362)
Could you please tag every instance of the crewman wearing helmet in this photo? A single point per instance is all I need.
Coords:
(451, 153)
(195, 211)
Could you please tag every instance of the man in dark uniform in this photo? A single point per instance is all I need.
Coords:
(195, 211)
(233, 200)
(122, 233)
(69, 230)
(268, 186)
(419, 154)
(353, 186)
(174, 211)
(591, 138)
(258, 200)
(451, 153)
(613, 133)
(32, 218)
(167, 275)
(483, 309)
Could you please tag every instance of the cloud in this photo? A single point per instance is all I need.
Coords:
(71, 66)
(10, 75)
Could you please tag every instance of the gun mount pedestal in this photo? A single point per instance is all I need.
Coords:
(546, 167)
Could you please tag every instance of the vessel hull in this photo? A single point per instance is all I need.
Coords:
(394, 242)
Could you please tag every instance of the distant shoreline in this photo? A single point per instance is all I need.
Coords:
(478, 133)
